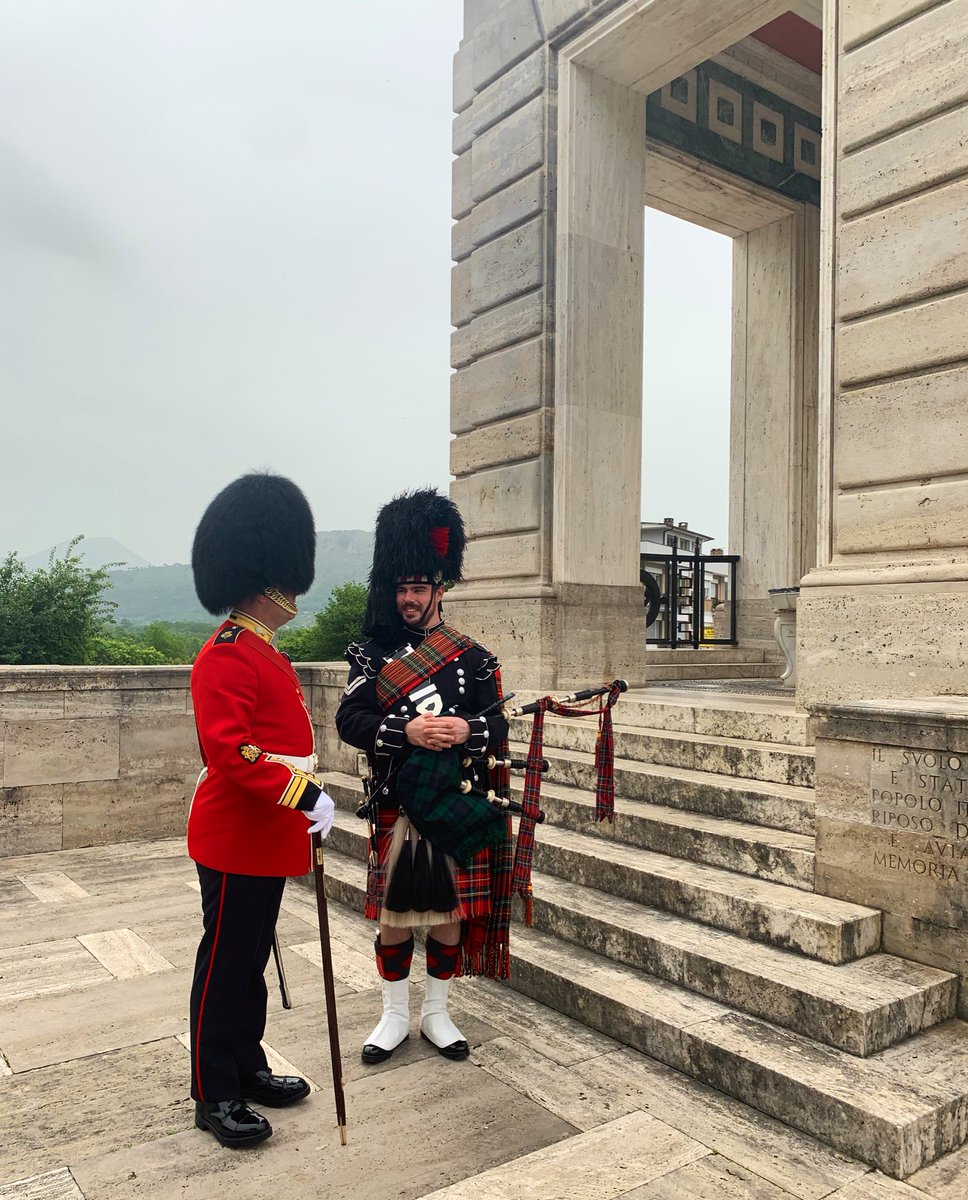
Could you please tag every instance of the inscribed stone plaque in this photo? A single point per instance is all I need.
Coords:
(919, 813)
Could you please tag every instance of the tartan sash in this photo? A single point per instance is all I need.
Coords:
(399, 677)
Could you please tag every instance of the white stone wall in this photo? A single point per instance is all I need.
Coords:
(546, 587)
(500, 347)
(887, 613)
(91, 755)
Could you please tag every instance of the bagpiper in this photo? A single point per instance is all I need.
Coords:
(419, 695)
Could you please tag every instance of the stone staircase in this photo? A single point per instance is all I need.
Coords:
(689, 930)
(713, 662)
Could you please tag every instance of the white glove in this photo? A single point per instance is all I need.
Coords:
(321, 815)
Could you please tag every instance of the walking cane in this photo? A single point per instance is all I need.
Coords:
(280, 971)
(329, 984)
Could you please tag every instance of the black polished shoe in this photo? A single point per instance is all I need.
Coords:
(457, 1051)
(274, 1091)
(233, 1123)
(373, 1054)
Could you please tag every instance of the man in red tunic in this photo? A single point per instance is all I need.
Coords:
(254, 552)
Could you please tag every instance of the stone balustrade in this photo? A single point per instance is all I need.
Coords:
(92, 755)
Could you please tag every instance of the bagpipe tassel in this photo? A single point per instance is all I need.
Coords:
(530, 811)
(605, 767)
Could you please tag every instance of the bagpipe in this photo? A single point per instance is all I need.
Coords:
(453, 805)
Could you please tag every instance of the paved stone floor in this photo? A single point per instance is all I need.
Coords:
(96, 949)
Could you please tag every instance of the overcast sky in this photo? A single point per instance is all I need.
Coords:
(225, 244)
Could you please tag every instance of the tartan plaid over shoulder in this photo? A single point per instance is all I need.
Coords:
(402, 675)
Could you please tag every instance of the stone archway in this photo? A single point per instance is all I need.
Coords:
(548, 303)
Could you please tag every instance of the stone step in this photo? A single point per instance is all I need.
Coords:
(769, 762)
(759, 719)
(712, 670)
(898, 1110)
(696, 837)
(658, 656)
(775, 805)
(861, 1007)
(758, 909)
(817, 926)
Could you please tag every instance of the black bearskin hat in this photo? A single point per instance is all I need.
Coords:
(419, 537)
(258, 532)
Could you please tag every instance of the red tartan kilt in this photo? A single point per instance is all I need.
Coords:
(473, 882)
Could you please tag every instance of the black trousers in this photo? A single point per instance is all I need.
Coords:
(229, 994)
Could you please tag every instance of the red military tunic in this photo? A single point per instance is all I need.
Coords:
(250, 714)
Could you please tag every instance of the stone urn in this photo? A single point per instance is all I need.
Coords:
(784, 602)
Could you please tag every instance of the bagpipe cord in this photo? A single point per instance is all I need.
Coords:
(604, 784)
(530, 806)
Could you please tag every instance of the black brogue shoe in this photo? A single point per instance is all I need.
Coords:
(233, 1123)
(373, 1054)
(274, 1091)
(456, 1051)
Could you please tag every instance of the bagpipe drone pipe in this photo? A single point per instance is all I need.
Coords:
(449, 811)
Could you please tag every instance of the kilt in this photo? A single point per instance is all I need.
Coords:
(473, 882)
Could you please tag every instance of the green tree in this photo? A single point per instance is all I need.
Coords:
(161, 642)
(53, 614)
(175, 646)
(116, 647)
(340, 623)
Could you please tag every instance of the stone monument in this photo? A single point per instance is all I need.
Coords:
(848, 440)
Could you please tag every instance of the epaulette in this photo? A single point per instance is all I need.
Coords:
(355, 653)
(228, 636)
(488, 664)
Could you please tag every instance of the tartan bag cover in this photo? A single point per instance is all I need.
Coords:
(460, 824)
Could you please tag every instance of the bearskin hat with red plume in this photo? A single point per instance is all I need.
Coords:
(258, 532)
(419, 536)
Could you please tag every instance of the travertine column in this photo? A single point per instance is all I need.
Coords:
(886, 613)
(546, 453)
(773, 425)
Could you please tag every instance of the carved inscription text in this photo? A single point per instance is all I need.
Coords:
(923, 793)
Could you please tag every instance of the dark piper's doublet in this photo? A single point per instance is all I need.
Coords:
(246, 834)
(463, 687)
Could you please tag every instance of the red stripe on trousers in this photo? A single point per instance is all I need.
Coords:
(201, 1003)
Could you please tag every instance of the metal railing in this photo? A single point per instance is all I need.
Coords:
(676, 598)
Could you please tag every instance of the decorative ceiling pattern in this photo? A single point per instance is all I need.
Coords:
(733, 123)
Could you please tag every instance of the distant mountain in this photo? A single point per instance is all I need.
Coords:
(168, 593)
(94, 552)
